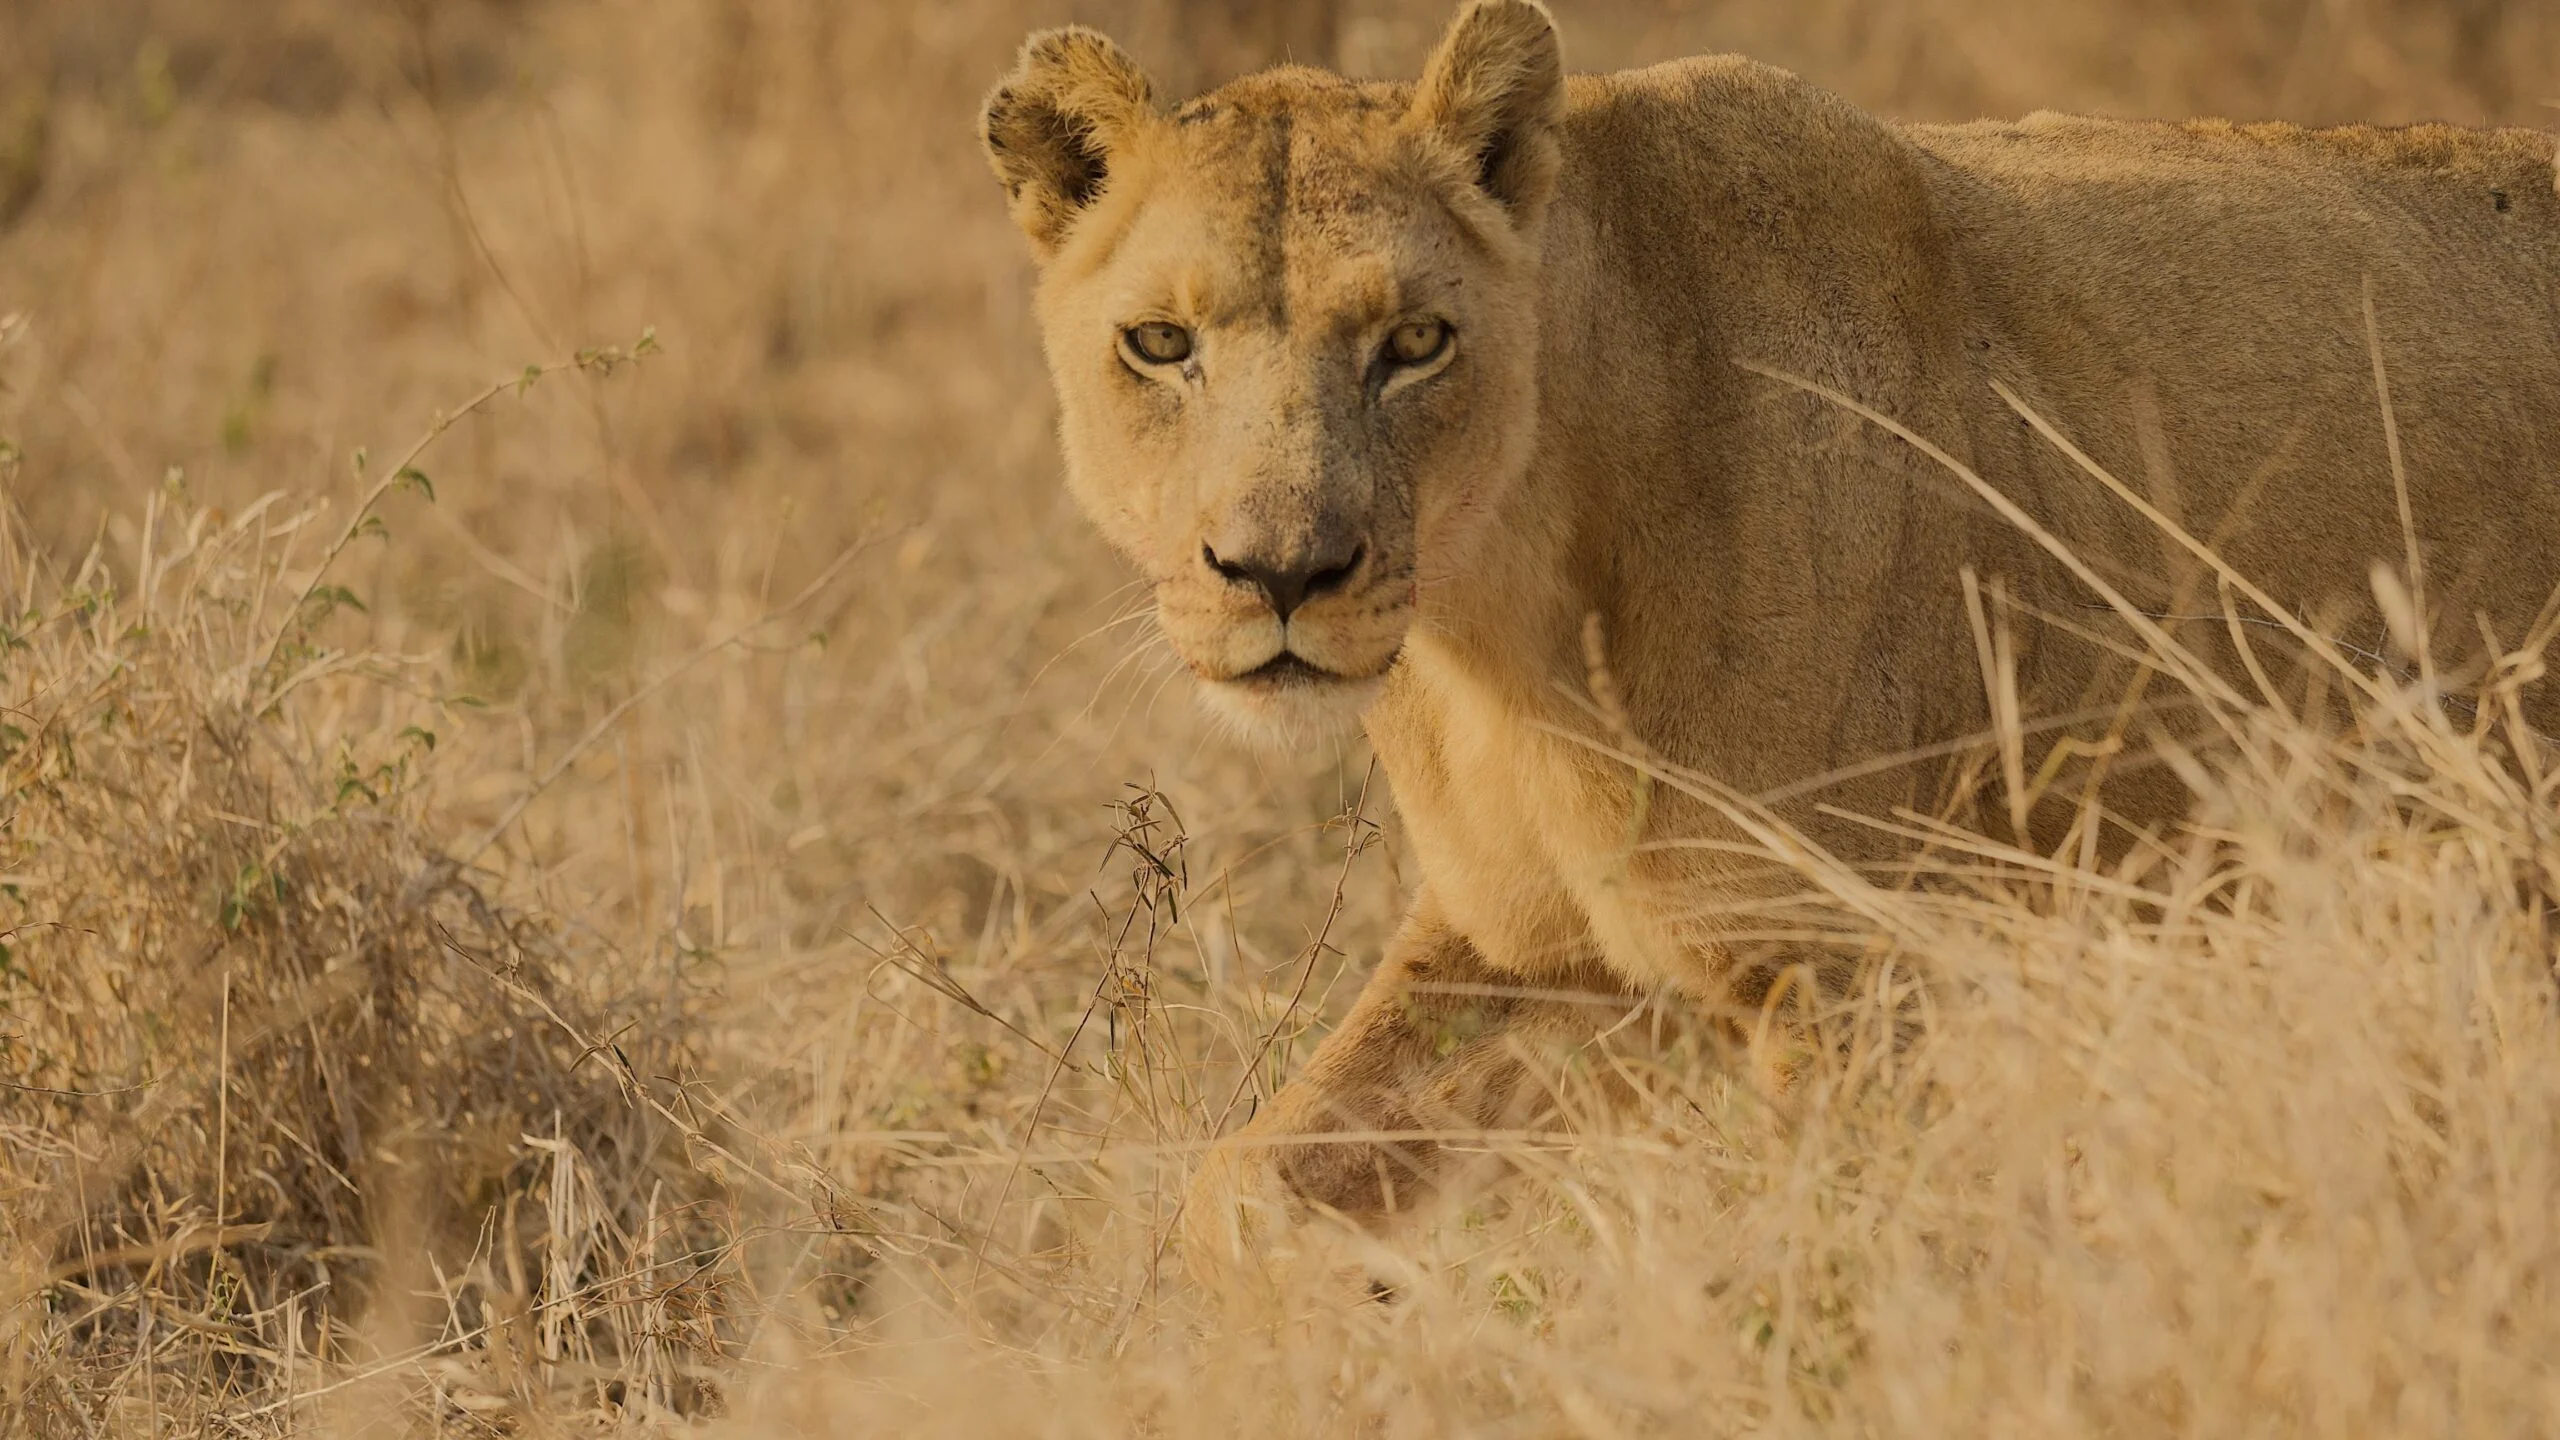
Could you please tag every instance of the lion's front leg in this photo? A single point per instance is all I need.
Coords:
(1438, 1042)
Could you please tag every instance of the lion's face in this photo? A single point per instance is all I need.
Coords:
(1293, 335)
(1287, 376)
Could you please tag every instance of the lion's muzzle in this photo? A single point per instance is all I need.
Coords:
(1290, 634)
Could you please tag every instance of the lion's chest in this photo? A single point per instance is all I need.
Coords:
(1523, 834)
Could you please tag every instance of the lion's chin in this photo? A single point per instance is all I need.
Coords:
(1290, 702)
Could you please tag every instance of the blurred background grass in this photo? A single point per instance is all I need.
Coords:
(240, 241)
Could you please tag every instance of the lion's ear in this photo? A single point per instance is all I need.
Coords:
(1494, 91)
(1052, 126)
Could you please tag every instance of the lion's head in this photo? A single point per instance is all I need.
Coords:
(1293, 329)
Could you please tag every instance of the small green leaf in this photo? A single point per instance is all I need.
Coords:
(413, 478)
(330, 597)
(525, 381)
(242, 902)
(420, 734)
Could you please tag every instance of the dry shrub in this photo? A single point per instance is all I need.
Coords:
(284, 1091)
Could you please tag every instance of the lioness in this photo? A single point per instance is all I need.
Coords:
(1410, 399)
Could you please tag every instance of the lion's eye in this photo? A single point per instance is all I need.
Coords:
(1417, 342)
(1157, 342)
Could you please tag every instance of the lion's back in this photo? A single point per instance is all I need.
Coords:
(2186, 301)
(2152, 224)
(2053, 147)
(2211, 283)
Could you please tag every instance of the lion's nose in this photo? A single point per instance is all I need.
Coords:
(1290, 583)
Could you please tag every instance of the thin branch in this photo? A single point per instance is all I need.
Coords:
(403, 471)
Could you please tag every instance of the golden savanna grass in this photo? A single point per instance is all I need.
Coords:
(691, 900)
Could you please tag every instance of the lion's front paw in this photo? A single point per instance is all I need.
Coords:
(1269, 1178)
(1365, 1180)
(1250, 1232)
(1236, 1202)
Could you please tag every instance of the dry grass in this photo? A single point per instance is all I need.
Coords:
(786, 992)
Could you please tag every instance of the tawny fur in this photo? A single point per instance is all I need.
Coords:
(1775, 579)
